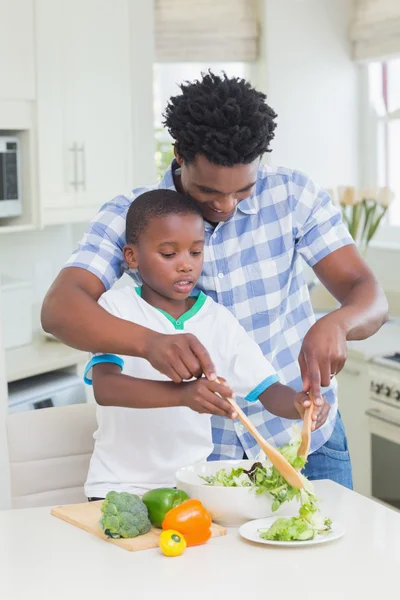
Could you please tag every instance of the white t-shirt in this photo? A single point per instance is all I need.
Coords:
(141, 449)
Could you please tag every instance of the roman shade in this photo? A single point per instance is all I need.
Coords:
(206, 30)
(375, 31)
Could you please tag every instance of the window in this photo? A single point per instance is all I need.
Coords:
(384, 119)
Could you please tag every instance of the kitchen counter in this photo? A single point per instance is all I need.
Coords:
(385, 341)
(41, 356)
(43, 558)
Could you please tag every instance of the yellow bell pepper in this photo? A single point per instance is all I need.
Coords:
(172, 543)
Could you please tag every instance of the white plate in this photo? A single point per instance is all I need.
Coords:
(249, 531)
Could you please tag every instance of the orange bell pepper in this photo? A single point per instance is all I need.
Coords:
(191, 520)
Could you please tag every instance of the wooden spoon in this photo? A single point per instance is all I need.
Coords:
(304, 447)
(292, 476)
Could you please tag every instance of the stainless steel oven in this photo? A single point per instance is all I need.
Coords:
(384, 427)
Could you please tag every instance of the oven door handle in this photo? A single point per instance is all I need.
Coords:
(377, 414)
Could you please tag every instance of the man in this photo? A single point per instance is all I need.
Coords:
(260, 223)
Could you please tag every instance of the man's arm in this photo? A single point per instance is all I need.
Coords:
(363, 310)
(71, 313)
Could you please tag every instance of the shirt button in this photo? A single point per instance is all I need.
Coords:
(220, 275)
(178, 322)
(240, 428)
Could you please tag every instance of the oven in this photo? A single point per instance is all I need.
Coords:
(384, 428)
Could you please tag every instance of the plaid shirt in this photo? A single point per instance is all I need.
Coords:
(252, 265)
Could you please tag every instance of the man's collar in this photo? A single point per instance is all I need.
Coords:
(167, 182)
(248, 206)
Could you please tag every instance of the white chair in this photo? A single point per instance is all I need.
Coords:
(49, 452)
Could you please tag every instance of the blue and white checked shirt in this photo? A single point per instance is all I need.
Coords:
(252, 265)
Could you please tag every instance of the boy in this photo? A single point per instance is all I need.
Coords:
(136, 449)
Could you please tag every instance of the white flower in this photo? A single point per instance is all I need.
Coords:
(348, 196)
(385, 197)
(371, 194)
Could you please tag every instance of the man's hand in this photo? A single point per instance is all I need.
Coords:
(320, 412)
(363, 310)
(322, 355)
(179, 356)
(205, 396)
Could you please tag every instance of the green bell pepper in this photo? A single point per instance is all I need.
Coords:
(160, 501)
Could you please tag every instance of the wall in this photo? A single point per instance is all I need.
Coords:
(310, 80)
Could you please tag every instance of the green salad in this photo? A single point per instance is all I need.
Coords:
(264, 478)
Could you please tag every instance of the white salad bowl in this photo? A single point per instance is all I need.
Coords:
(228, 506)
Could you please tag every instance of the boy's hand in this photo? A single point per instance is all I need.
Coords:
(204, 396)
(180, 357)
(320, 412)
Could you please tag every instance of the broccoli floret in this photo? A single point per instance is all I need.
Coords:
(124, 515)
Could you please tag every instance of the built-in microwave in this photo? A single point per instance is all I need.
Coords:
(10, 177)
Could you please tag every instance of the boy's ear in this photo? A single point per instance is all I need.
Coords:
(130, 256)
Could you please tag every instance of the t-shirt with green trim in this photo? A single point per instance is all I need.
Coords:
(179, 324)
(141, 449)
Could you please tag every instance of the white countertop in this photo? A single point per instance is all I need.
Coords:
(385, 341)
(41, 356)
(43, 558)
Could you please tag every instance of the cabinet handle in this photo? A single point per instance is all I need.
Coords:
(349, 371)
(82, 182)
(74, 149)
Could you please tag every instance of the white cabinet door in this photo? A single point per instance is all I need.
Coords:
(353, 402)
(55, 106)
(101, 79)
(84, 119)
(17, 75)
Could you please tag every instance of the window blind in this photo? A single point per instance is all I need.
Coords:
(206, 30)
(375, 31)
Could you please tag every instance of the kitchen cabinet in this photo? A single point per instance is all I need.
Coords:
(17, 74)
(83, 104)
(353, 402)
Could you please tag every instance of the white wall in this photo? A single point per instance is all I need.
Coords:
(311, 82)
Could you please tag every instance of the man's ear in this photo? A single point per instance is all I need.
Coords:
(130, 256)
(179, 158)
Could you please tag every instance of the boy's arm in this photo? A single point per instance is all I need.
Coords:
(280, 400)
(113, 388)
(283, 401)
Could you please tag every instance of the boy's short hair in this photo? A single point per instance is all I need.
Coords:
(156, 204)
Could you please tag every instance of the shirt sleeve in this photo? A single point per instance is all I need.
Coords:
(107, 303)
(100, 250)
(250, 372)
(319, 226)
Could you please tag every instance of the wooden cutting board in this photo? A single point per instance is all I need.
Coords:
(87, 516)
